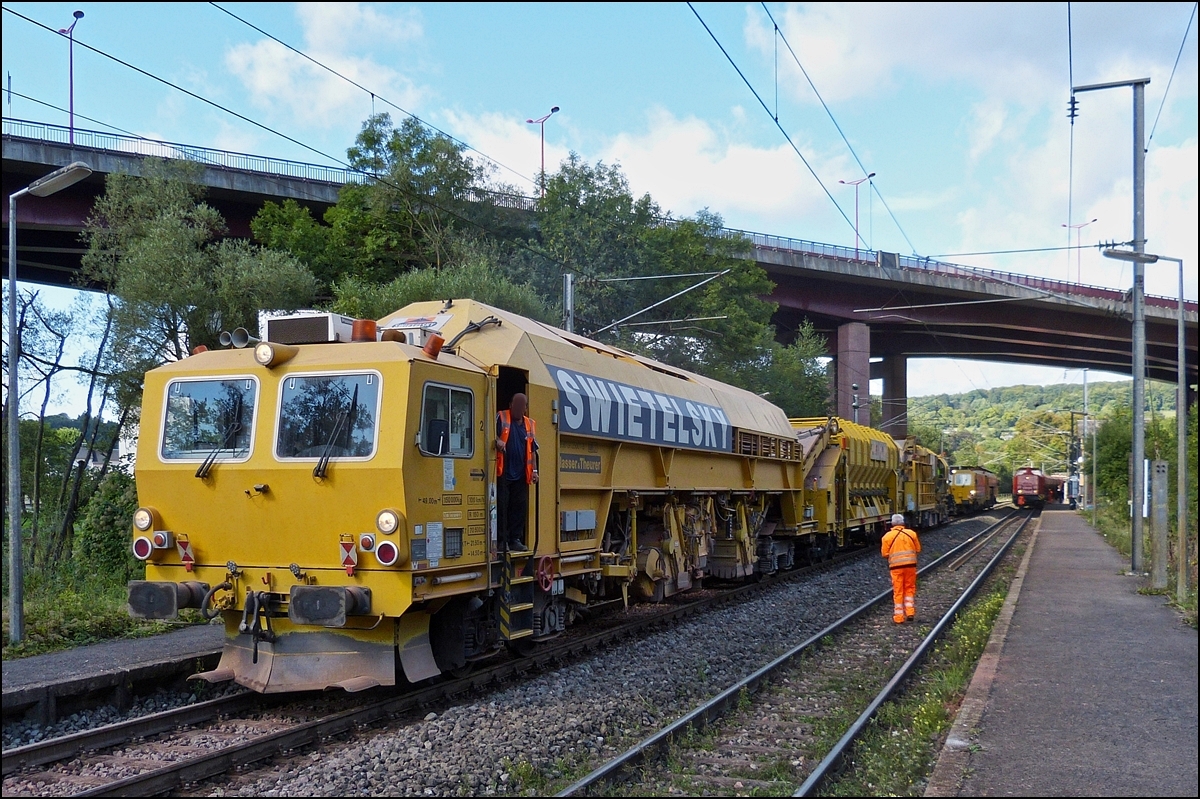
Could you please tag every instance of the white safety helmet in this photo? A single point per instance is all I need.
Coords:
(898, 519)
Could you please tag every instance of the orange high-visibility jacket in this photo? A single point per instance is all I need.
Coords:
(505, 419)
(900, 547)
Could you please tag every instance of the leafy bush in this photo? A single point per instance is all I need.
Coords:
(102, 539)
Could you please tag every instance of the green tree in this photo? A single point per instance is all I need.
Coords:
(471, 277)
(175, 282)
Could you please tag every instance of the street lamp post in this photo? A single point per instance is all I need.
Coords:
(1138, 489)
(1078, 251)
(855, 184)
(70, 34)
(1181, 575)
(541, 121)
(42, 187)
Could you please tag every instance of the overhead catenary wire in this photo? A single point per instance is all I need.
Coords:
(1178, 55)
(374, 95)
(262, 126)
(874, 188)
(766, 108)
(849, 146)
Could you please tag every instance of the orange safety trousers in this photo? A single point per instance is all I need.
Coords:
(904, 593)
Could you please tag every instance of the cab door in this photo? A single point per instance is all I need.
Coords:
(449, 482)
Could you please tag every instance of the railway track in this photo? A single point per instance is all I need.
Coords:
(189, 744)
(762, 733)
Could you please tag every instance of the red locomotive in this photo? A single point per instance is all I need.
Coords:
(1034, 488)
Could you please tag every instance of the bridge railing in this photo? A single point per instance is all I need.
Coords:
(333, 175)
(788, 244)
(221, 159)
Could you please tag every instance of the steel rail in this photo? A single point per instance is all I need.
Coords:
(54, 749)
(717, 706)
(174, 775)
(61, 748)
(971, 553)
(819, 774)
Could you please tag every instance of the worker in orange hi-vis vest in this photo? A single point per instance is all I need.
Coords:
(516, 470)
(900, 547)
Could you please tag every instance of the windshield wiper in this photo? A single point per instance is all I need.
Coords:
(323, 462)
(230, 434)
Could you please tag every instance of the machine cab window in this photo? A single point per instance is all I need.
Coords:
(330, 414)
(446, 421)
(964, 479)
(206, 415)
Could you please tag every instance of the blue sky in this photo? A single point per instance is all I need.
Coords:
(959, 109)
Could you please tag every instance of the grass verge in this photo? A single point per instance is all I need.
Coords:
(62, 613)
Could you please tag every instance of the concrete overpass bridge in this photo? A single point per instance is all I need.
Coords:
(869, 304)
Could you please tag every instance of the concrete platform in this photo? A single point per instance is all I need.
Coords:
(1090, 690)
(47, 686)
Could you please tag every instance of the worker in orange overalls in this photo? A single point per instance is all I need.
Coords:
(516, 470)
(900, 547)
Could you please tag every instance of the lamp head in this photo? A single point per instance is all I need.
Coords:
(78, 15)
(60, 179)
(1130, 255)
(870, 176)
(554, 110)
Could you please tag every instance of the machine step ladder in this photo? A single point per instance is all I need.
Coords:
(516, 597)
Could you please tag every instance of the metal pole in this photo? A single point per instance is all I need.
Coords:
(1091, 485)
(857, 238)
(1139, 321)
(71, 83)
(1181, 574)
(16, 577)
(569, 302)
(1181, 410)
(543, 127)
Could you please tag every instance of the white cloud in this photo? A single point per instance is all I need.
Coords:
(687, 165)
(280, 80)
(986, 125)
(1007, 66)
(684, 164)
(336, 27)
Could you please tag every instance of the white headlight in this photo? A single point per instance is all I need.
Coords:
(143, 518)
(387, 521)
(263, 353)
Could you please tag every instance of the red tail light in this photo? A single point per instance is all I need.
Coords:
(366, 542)
(387, 553)
(162, 539)
(142, 547)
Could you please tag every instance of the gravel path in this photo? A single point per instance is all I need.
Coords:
(557, 723)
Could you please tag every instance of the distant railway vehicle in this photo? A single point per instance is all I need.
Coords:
(1034, 488)
(330, 491)
(972, 489)
(925, 484)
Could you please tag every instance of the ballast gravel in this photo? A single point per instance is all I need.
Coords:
(24, 732)
(559, 724)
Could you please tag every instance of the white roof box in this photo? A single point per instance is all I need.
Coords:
(309, 328)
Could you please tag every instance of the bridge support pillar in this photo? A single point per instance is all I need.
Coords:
(854, 366)
(895, 395)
